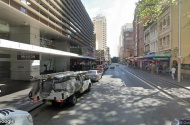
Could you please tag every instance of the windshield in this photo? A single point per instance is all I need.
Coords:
(92, 72)
(94, 62)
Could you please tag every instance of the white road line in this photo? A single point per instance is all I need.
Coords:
(2, 84)
(150, 85)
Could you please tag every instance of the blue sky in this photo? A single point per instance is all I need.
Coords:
(117, 12)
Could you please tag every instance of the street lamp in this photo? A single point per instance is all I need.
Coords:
(179, 45)
(179, 42)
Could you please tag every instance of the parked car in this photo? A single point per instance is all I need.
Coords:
(59, 88)
(94, 75)
(112, 66)
(182, 121)
(15, 117)
(100, 68)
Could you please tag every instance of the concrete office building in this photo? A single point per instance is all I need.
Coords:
(100, 29)
(38, 36)
(107, 53)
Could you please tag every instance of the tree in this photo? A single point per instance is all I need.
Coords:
(151, 8)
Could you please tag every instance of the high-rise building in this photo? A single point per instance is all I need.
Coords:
(127, 26)
(107, 53)
(128, 43)
(40, 36)
(100, 28)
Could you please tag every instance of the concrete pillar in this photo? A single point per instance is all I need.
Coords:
(24, 69)
(62, 63)
(25, 34)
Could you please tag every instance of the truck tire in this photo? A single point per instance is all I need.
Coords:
(73, 100)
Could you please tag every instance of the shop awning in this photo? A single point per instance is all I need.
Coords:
(11, 45)
(163, 55)
(161, 58)
(150, 56)
(99, 60)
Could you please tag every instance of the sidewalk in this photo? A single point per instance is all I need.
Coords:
(11, 86)
(18, 100)
(15, 95)
(166, 77)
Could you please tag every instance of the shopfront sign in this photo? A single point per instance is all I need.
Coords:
(163, 55)
(160, 58)
(150, 56)
(28, 57)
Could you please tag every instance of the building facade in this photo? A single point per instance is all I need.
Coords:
(128, 43)
(185, 37)
(153, 38)
(122, 46)
(161, 39)
(107, 58)
(100, 29)
(43, 35)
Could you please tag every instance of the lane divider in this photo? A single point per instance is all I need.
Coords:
(169, 82)
(179, 100)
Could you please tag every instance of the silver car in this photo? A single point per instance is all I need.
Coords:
(112, 66)
(94, 75)
(15, 117)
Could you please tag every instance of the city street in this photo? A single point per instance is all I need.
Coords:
(120, 97)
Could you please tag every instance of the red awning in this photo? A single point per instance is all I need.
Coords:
(99, 60)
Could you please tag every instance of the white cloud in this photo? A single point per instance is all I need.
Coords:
(119, 14)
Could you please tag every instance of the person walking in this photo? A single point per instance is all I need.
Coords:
(173, 70)
(153, 68)
(160, 69)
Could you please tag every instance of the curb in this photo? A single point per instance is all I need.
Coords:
(34, 106)
(160, 89)
(168, 82)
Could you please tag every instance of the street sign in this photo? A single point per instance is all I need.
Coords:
(181, 57)
(179, 60)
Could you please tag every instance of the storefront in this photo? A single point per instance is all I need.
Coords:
(81, 64)
(20, 61)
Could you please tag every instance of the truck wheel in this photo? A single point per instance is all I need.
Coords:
(89, 88)
(73, 100)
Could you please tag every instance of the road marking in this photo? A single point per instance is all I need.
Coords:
(150, 85)
(2, 84)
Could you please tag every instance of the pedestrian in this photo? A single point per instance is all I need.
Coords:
(173, 70)
(160, 69)
(153, 69)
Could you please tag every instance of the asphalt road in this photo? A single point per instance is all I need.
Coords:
(119, 98)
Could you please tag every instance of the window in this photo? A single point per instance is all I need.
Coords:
(168, 40)
(92, 72)
(164, 41)
(160, 42)
(164, 24)
(168, 21)
(160, 25)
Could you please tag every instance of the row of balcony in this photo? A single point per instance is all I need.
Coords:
(45, 16)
